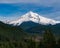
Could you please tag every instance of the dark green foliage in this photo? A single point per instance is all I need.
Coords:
(31, 44)
(15, 37)
(11, 32)
(48, 39)
(58, 43)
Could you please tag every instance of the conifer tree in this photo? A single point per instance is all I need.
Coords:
(48, 39)
(58, 43)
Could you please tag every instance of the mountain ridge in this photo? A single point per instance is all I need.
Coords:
(34, 17)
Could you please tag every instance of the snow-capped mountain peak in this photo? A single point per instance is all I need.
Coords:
(34, 17)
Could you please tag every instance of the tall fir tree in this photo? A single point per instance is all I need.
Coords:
(58, 43)
(48, 39)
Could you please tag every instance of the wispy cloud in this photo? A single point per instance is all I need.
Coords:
(43, 2)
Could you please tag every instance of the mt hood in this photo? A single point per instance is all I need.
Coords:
(33, 17)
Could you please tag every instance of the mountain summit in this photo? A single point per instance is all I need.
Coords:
(33, 17)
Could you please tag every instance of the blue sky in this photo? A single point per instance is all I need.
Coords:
(13, 9)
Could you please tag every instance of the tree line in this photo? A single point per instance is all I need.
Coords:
(48, 40)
